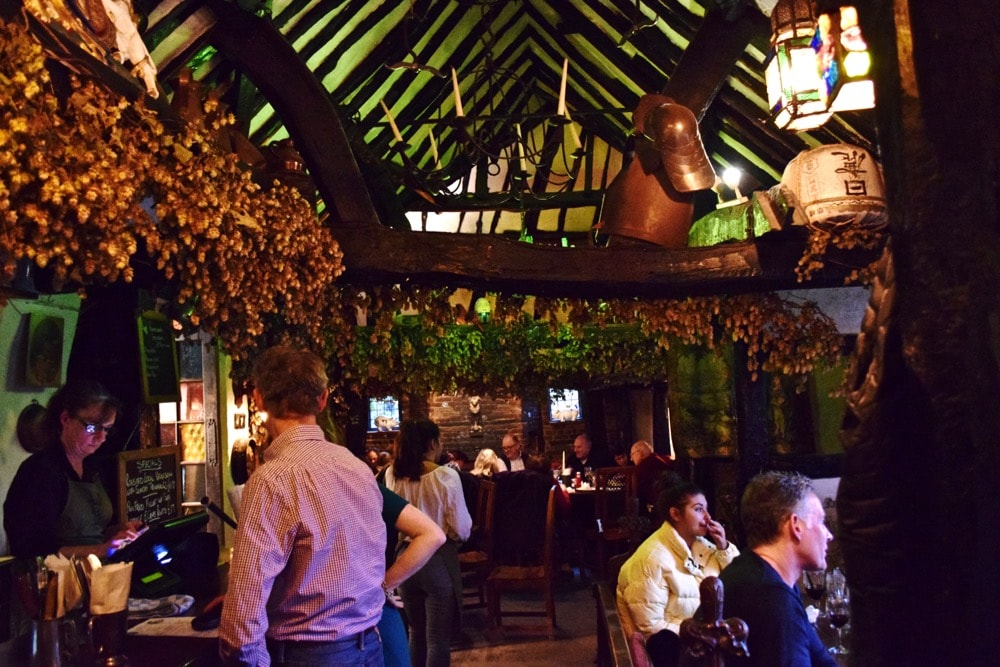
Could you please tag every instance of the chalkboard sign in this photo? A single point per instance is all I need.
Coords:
(158, 358)
(149, 485)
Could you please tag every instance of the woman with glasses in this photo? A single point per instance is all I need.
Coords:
(56, 502)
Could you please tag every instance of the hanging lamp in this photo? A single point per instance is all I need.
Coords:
(791, 71)
(844, 61)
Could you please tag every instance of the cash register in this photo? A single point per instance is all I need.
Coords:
(154, 572)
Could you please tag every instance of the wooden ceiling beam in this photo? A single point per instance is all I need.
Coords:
(259, 50)
(379, 255)
(710, 57)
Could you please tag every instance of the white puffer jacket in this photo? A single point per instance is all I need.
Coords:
(659, 582)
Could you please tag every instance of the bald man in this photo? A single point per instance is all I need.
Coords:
(649, 467)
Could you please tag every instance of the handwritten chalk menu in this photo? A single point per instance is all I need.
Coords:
(149, 485)
(158, 358)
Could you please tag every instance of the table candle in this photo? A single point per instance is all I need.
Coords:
(564, 460)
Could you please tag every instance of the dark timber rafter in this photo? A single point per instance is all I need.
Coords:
(374, 252)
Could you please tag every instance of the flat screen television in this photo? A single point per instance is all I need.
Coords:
(383, 414)
(564, 405)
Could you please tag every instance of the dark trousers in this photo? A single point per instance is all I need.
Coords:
(361, 650)
(664, 649)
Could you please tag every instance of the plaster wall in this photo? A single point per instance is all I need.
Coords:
(14, 392)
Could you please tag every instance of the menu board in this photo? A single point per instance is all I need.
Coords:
(158, 358)
(149, 484)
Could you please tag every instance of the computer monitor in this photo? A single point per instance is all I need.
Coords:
(151, 554)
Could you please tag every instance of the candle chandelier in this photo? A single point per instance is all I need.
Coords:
(494, 128)
(500, 129)
(818, 65)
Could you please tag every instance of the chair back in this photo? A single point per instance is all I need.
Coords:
(519, 517)
(615, 496)
(482, 523)
(548, 548)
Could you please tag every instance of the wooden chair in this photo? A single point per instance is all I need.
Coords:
(476, 563)
(537, 577)
(615, 498)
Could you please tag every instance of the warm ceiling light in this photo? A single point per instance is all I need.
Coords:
(791, 71)
(731, 176)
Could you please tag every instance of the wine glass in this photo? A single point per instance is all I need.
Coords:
(814, 584)
(838, 608)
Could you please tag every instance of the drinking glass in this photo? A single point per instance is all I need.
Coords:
(838, 608)
(814, 584)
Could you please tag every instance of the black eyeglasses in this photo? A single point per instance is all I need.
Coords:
(91, 429)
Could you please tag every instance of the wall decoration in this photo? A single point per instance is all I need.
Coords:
(45, 351)
(475, 415)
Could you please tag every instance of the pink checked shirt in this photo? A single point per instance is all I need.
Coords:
(309, 556)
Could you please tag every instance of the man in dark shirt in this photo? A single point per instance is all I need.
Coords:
(584, 456)
(784, 523)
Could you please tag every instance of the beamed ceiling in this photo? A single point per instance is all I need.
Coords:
(508, 58)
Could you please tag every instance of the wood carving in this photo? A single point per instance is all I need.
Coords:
(708, 637)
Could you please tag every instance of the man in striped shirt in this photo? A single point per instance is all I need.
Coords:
(305, 581)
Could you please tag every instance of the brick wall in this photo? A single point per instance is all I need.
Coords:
(496, 416)
(451, 412)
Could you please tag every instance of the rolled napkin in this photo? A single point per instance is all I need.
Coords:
(109, 588)
(69, 591)
(172, 605)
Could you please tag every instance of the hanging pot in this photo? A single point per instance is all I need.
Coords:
(31, 427)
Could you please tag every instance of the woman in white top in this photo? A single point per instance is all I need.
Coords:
(431, 597)
(659, 582)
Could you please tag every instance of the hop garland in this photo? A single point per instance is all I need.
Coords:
(75, 171)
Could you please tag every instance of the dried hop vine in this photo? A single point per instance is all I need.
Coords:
(87, 179)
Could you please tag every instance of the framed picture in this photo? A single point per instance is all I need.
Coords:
(45, 350)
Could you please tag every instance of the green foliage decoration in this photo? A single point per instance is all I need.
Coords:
(572, 342)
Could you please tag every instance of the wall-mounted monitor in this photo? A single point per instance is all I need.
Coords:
(383, 414)
(564, 405)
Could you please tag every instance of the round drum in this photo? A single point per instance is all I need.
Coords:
(838, 185)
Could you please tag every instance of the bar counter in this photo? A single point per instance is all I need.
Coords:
(143, 650)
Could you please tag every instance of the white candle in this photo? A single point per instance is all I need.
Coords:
(573, 132)
(434, 149)
(522, 148)
(458, 96)
(562, 89)
(564, 460)
(392, 122)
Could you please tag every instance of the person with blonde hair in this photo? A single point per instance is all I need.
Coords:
(487, 463)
